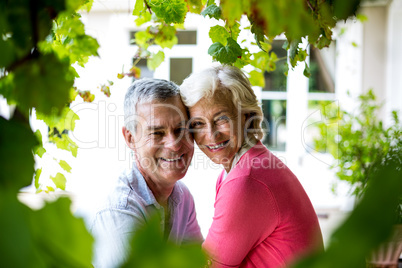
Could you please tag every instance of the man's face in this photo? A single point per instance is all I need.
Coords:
(162, 144)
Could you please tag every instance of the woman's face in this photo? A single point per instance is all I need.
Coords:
(218, 128)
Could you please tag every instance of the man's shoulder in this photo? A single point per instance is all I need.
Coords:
(124, 192)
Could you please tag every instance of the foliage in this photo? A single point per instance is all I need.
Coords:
(309, 19)
(369, 224)
(359, 140)
(40, 43)
(148, 242)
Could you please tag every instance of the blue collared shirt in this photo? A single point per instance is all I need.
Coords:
(128, 206)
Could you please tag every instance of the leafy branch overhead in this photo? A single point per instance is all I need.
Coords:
(313, 20)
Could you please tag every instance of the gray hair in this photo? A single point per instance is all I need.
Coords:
(146, 90)
(228, 80)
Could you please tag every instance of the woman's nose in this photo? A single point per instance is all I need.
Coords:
(212, 133)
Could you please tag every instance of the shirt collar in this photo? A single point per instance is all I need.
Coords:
(247, 145)
(138, 181)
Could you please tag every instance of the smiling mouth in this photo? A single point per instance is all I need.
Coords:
(217, 146)
(172, 159)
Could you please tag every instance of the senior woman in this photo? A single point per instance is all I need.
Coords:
(263, 217)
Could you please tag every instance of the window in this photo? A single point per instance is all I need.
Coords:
(276, 80)
(274, 100)
(186, 37)
(183, 37)
(142, 64)
(180, 68)
(274, 124)
(322, 68)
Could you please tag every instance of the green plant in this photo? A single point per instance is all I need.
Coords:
(359, 140)
(296, 19)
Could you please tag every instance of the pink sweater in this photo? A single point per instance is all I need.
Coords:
(263, 217)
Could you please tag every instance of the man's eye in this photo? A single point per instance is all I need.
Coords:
(157, 133)
(181, 130)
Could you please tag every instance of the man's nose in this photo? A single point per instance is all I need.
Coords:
(173, 142)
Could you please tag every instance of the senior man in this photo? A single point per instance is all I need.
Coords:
(155, 130)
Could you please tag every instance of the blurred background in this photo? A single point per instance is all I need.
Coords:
(366, 55)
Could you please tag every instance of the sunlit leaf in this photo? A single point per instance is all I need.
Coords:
(138, 7)
(219, 34)
(37, 176)
(155, 60)
(195, 6)
(257, 78)
(166, 36)
(64, 142)
(171, 11)
(59, 180)
(64, 121)
(64, 165)
(232, 10)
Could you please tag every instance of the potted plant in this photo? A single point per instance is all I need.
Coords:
(359, 145)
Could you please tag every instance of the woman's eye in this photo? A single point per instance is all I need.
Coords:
(222, 120)
(196, 124)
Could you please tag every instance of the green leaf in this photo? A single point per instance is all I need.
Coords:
(61, 238)
(345, 9)
(39, 150)
(260, 60)
(147, 242)
(64, 142)
(257, 78)
(144, 17)
(219, 34)
(64, 121)
(166, 36)
(17, 162)
(37, 176)
(43, 84)
(232, 10)
(368, 225)
(8, 55)
(235, 31)
(195, 6)
(142, 37)
(225, 54)
(259, 35)
(138, 7)
(171, 11)
(306, 71)
(59, 180)
(64, 165)
(212, 11)
(19, 247)
(155, 60)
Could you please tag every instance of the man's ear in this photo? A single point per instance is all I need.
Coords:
(129, 138)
